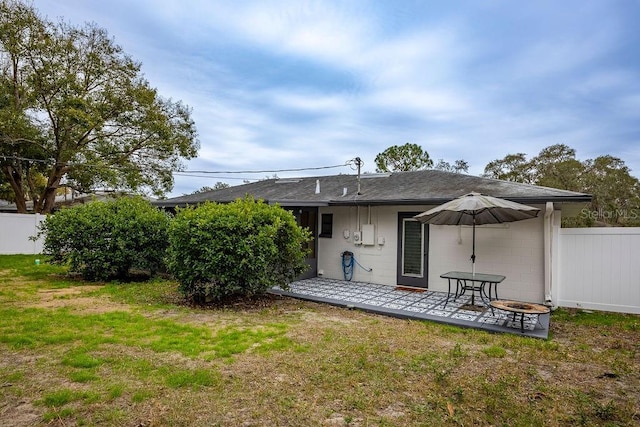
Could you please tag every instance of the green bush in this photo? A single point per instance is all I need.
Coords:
(105, 240)
(237, 249)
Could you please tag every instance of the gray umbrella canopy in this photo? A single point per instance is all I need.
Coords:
(477, 209)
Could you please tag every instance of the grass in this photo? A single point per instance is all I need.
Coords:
(76, 353)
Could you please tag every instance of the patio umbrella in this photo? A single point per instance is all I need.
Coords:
(477, 209)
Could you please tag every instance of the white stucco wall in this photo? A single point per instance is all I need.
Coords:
(515, 250)
(381, 258)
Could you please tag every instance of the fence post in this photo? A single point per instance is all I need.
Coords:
(35, 231)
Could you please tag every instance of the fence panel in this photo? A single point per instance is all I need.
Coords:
(600, 269)
(15, 230)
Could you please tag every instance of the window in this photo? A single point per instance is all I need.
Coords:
(326, 225)
(412, 248)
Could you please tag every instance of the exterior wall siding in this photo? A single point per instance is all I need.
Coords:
(380, 258)
(515, 250)
(15, 230)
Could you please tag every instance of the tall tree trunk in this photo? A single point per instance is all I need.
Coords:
(33, 194)
(14, 177)
(47, 200)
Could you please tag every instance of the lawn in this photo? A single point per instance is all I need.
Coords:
(76, 353)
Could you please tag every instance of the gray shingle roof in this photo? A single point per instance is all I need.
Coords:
(418, 187)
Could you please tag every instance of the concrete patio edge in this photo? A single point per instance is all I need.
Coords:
(543, 320)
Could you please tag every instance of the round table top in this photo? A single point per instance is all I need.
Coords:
(520, 307)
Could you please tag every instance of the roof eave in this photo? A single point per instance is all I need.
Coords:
(283, 203)
(555, 199)
(376, 202)
(298, 203)
(439, 201)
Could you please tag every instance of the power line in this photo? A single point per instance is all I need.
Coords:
(191, 172)
(217, 177)
(26, 159)
(267, 171)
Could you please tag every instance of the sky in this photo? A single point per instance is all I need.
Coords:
(279, 84)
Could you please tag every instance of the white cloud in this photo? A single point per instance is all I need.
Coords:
(431, 104)
(310, 102)
(318, 31)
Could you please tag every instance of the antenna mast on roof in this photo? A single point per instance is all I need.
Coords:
(359, 164)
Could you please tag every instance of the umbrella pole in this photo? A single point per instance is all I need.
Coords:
(473, 248)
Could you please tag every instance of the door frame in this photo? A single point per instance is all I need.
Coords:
(308, 217)
(402, 280)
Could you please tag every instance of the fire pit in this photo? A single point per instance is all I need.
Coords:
(520, 307)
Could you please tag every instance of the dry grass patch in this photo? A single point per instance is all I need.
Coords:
(76, 298)
(279, 361)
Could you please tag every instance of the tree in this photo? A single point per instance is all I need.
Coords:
(220, 185)
(20, 137)
(616, 193)
(75, 108)
(556, 166)
(217, 186)
(458, 166)
(513, 167)
(6, 193)
(242, 248)
(407, 157)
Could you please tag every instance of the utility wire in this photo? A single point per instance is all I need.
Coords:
(268, 171)
(26, 159)
(217, 177)
(189, 172)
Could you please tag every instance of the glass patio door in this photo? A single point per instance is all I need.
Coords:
(412, 251)
(308, 218)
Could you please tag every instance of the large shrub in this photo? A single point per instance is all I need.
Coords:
(105, 240)
(237, 249)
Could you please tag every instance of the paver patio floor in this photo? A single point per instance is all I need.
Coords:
(414, 304)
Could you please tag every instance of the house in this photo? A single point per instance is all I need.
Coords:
(371, 215)
(68, 198)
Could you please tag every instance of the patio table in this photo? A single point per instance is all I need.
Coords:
(478, 282)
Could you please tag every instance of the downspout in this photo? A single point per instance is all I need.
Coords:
(548, 252)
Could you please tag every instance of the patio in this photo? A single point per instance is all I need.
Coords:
(416, 304)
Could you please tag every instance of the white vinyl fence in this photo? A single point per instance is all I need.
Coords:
(15, 230)
(600, 269)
